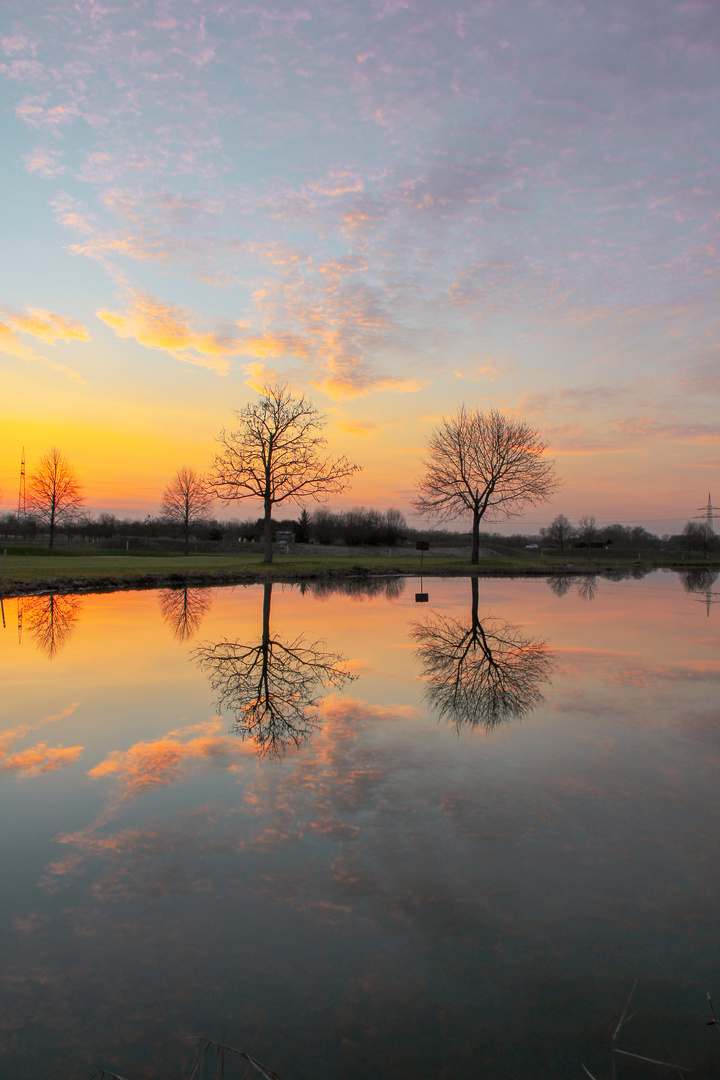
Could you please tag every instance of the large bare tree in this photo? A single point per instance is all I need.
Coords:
(53, 491)
(483, 463)
(186, 501)
(277, 454)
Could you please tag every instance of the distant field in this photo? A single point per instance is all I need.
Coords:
(85, 569)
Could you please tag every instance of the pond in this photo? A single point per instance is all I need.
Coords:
(360, 836)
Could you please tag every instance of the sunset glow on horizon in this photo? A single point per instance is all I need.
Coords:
(394, 207)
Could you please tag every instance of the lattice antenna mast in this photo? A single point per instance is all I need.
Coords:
(22, 502)
(708, 514)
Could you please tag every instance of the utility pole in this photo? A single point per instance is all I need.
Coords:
(22, 503)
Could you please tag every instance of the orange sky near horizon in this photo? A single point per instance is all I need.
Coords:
(421, 206)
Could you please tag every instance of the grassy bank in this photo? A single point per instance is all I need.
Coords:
(33, 570)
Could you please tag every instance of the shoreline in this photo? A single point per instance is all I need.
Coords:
(82, 584)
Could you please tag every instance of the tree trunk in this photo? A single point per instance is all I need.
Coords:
(52, 526)
(475, 557)
(267, 597)
(267, 532)
(475, 603)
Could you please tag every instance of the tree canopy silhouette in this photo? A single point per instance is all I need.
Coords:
(276, 454)
(483, 463)
(186, 501)
(273, 686)
(480, 673)
(53, 491)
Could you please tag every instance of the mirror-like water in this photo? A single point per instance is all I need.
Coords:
(360, 836)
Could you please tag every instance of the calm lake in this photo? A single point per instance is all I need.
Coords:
(359, 836)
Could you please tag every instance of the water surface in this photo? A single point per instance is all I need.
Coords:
(359, 835)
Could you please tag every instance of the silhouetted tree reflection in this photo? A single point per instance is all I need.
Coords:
(587, 587)
(273, 686)
(561, 584)
(51, 620)
(584, 584)
(698, 579)
(480, 673)
(184, 609)
(701, 580)
(357, 588)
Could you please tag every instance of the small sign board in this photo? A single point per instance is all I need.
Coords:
(422, 545)
(283, 538)
(422, 597)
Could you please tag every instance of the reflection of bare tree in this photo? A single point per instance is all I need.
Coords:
(698, 579)
(184, 609)
(51, 620)
(561, 583)
(359, 588)
(701, 580)
(587, 587)
(480, 673)
(272, 686)
(585, 584)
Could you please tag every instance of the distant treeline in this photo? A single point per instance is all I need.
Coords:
(359, 526)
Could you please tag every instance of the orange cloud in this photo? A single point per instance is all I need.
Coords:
(346, 380)
(337, 184)
(40, 759)
(150, 764)
(356, 427)
(46, 325)
(276, 345)
(346, 710)
(10, 343)
(11, 735)
(157, 325)
(364, 213)
(258, 376)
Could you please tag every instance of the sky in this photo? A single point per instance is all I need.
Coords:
(394, 206)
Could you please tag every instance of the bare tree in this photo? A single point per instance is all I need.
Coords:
(53, 491)
(699, 536)
(186, 501)
(560, 531)
(278, 454)
(483, 463)
(587, 529)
